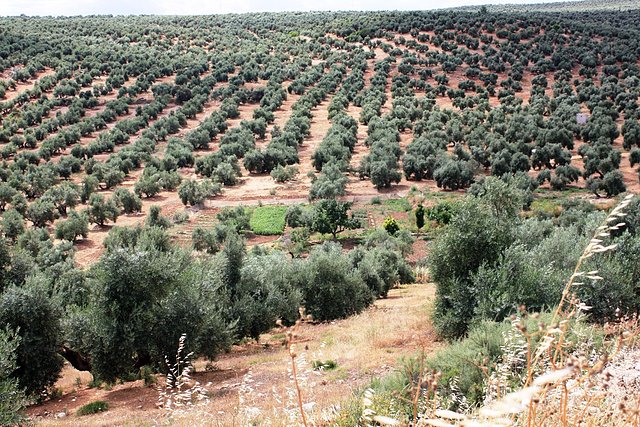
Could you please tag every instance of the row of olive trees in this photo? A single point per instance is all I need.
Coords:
(128, 310)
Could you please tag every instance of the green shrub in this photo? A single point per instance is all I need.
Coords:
(269, 289)
(31, 312)
(474, 237)
(420, 217)
(381, 268)
(236, 218)
(268, 220)
(332, 216)
(156, 219)
(12, 398)
(332, 289)
(284, 174)
(390, 225)
(617, 294)
(205, 240)
(128, 201)
(180, 217)
(74, 226)
(442, 213)
(298, 216)
(92, 408)
(464, 360)
(402, 242)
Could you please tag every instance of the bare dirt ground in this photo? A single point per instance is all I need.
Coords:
(21, 87)
(365, 347)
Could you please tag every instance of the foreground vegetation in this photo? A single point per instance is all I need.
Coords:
(545, 316)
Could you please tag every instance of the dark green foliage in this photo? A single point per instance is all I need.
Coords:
(443, 212)
(233, 252)
(617, 294)
(381, 267)
(254, 161)
(332, 216)
(77, 225)
(206, 240)
(421, 158)
(12, 398)
(194, 193)
(141, 298)
(634, 157)
(381, 165)
(297, 216)
(235, 218)
(269, 289)
(476, 235)
(330, 184)
(89, 185)
(128, 201)
(295, 242)
(237, 142)
(63, 196)
(12, 224)
(454, 174)
(147, 185)
(6, 195)
(332, 289)
(147, 238)
(402, 242)
(517, 279)
(420, 216)
(32, 313)
(612, 184)
(156, 219)
(284, 173)
(41, 212)
(101, 210)
(5, 261)
(632, 219)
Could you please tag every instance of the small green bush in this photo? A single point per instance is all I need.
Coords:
(391, 226)
(180, 217)
(268, 220)
(443, 212)
(284, 174)
(93, 408)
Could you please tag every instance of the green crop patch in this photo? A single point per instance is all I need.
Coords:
(268, 220)
(398, 205)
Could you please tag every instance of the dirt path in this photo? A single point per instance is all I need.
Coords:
(364, 347)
